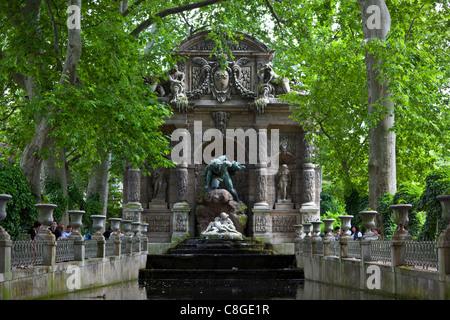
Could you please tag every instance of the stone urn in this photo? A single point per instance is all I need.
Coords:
(328, 227)
(368, 222)
(307, 227)
(298, 228)
(99, 223)
(445, 205)
(346, 225)
(316, 225)
(144, 228)
(401, 218)
(3, 200)
(135, 228)
(115, 224)
(45, 217)
(126, 226)
(76, 222)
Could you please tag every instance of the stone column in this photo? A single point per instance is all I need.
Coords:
(133, 207)
(181, 209)
(309, 209)
(261, 219)
(261, 171)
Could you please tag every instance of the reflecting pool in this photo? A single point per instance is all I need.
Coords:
(222, 290)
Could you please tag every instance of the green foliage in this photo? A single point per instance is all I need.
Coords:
(76, 201)
(54, 193)
(20, 209)
(437, 183)
(93, 207)
(410, 193)
(354, 204)
(387, 219)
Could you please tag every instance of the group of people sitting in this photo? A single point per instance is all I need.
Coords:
(56, 229)
(355, 233)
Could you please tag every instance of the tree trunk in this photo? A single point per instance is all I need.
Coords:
(55, 169)
(99, 181)
(382, 162)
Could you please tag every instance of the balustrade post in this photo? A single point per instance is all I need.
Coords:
(98, 225)
(45, 235)
(345, 237)
(298, 239)
(115, 226)
(400, 237)
(5, 251)
(316, 239)
(444, 238)
(328, 227)
(307, 245)
(127, 237)
(5, 239)
(144, 239)
(136, 236)
(76, 236)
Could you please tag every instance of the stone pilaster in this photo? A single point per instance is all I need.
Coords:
(309, 209)
(133, 207)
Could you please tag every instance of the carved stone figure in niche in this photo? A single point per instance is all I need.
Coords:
(284, 182)
(177, 88)
(270, 84)
(222, 227)
(221, 170)
(221, 81)
(221, 120)
(159, 186)
(285, 156)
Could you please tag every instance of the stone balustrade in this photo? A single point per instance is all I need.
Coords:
(46, 251)
(399, 251)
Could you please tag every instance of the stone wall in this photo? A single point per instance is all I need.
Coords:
(41, 281)
(373, 277)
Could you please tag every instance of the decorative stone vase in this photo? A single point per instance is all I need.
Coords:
(316, 228)
(298, 228)
(368, 222)
(144, 227)
(328, 227)
(445, 205)
(307, 229)
(3, 200)
(126, 226)
(346, 225)
(401, 218)
(115, 224)
(45, 217)
(99, 222)
(76, 222)
(135, 227)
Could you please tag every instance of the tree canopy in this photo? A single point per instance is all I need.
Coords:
(80, 92)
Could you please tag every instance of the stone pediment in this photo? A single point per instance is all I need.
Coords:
(247, 78)
(199, 44)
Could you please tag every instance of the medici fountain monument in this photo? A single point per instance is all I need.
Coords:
(243, 165)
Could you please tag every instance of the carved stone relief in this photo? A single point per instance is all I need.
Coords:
(221, 120)
(283, 223)
(220, 81)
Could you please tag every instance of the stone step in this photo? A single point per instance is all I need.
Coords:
(229, 274)
(220, 261)
(217, 246)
